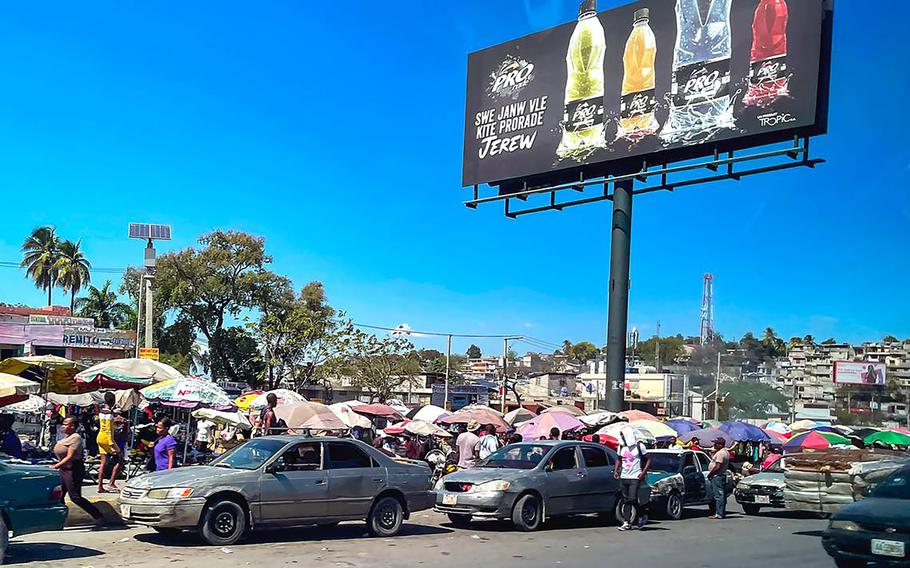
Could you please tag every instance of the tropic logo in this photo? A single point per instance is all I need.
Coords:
(510, 77)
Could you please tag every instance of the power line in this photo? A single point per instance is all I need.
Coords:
(436, 333)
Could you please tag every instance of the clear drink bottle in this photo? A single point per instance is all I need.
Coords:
(768, 76)
(700, 101)
(583, 121)
(636, 112)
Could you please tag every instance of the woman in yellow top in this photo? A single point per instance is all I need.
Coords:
(106, 445)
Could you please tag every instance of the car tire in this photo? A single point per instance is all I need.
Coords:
(459, 521)
(386, 517)
(751, 509)
(4, 538)
(527, 513)
(674, 507)
(849, 563)
(223, 523)
(168, 532)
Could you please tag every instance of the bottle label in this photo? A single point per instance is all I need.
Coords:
(701, 82)
(768, 70)
(637, 104)
(584, 114)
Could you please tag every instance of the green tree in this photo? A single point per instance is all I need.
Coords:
(753, 399)
(809, 339)
(103, 305)
(773, 345)
(379, 366)
(73, 270)
(829, 341)
(583, 351)
(473, 352)
(456, 365)
(890, 339)
(670, 349)
(795, 342)
(40, 253)
(239, 352)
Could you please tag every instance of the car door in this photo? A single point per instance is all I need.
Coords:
(354, 480)
(565, 481)
(601, 487)
(704, 466)
(294, 487)
(693, 480)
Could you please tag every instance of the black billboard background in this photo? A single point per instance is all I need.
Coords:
(547, 51)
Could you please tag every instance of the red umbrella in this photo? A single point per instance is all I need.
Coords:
(637, 415)
(777, 438)
(608, 441)
(380, 410)
(482, 417)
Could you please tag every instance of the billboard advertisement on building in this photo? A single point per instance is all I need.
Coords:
(659, 80)
(859, 373)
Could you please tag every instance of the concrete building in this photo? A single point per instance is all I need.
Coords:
(484, 368)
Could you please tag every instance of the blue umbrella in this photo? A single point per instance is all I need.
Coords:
(682, 426)
(744, 432)
(706, 437)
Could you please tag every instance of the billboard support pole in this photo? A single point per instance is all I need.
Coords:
(618, 310)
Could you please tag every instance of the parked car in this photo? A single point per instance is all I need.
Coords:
(678, 479)
(762, 490)
(31, 501)
(874, 530)
(530, 482)
(280, 481)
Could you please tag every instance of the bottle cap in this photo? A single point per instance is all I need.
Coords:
(587, 7)
(642, 14)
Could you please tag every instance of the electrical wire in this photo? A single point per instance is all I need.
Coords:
(436, 333)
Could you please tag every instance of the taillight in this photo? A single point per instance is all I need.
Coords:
(57, 493)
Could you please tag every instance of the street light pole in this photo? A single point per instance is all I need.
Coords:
(505, 367)
(717, 390)
(445, 401)
(149, 304)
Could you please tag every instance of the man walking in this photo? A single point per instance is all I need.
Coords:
(631, 469)
(717, 476)
(488, 444)
(465, 445)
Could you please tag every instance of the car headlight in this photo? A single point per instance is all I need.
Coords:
(170, 493)
(497, 485)
(844, 526)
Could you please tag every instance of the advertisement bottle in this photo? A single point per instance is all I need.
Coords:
(768, 76)
(583, 121)
(700, 101)
(639, 101)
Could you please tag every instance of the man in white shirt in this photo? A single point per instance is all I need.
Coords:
(488, 444)
(631, 469)
(465, 443)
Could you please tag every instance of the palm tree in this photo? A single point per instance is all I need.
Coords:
(72, 270)
(102, 305)
(40, 253)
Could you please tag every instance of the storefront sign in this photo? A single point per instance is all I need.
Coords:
(97, 338)
(40, 319)
(148, 353)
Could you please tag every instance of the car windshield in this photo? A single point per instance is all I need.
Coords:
(250, 455)
(663, 462)
(516, 456)
(895, 487)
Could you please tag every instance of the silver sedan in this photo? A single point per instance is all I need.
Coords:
(529, 482)
(280, 481)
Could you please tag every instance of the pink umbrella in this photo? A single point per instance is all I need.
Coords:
(380, 410)
(637, 415)
(479, 415)
(540, 427)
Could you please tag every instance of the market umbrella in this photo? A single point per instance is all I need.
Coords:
(483, 407)
(540, 427)
(347, 415)
(744, 432)
(888, 437)
(56, 374)
(232, 419)
(244, 401)
(778, 427)
(189, 393)
(308, 415)
(128, 373)
(805, 425)
(15, 389)
(519, 416)
(567, 408)
(706, 436)
(815, 441)
(601, 418)
(657, 429)
(637, 415)
(285, 397)
(34, 404)
(641, 435)
(417, 427)
(710, 423)
(604, 439)
(776, 438)
(124, 399)
(379, 411)
(682, 426)
(429, 413)
(901, 430)
(479, 415)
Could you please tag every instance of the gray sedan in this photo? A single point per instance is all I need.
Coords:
(529, 482)
(280, 481)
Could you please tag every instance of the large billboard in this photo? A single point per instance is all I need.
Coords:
(659, 80)
(859, 373)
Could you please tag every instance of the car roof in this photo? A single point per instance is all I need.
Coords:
(290, 438)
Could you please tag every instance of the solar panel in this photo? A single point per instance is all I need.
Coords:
(150, 232)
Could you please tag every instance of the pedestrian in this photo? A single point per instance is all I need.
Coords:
(516, 438)
(717, 475)
(554, 433)
(631, 469)
(488, 444)
(267, 419)
(165, 451)
(10, 444)
(412, 448)
(465, 444)
(121, 431)
(107, 447)
(203, 435)
(71, 465)
(595, 439)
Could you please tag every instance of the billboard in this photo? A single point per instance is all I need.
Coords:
(660, 80)
(859, 373)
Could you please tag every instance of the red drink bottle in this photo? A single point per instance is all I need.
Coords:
(769, 77)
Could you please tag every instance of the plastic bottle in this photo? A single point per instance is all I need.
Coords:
(583, 121)
(700, 101)
(768, 76)
(636, 113)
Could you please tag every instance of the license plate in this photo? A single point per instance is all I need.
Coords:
(125, 511)
(888, 547)
(763, 499)
(449, 499)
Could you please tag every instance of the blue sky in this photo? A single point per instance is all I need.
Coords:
(334, 131)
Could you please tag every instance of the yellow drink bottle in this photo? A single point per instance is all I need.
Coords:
(639, 101)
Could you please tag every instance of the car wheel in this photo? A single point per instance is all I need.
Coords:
(849, 563)
(459, 521)
(386, 517)
(751, 509)
(168, 532)
(527, 513)
(223, 523)
(674, 508)
(4, 539)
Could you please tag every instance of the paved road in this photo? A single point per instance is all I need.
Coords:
(769, 540)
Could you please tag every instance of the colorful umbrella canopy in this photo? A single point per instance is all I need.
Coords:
(55, 374)
(347, 415)
(285, 397)
(519, 416)
(189, 393)
(128, 373)
(710, 423)
(682, 426)
(641, 435)
(888, 437)
(815, 441)
(902, 430)
(307, 415)
(540, 427)
(637, 415)
(244, 400)
(418, 427)
(482, 416)
(34, 404)
(744, 432)
(657, 429)
(482, 407)
(379, 410)
(805, 425)
(601, 418)
(608, 441)
(15, 389)
(567, 408)
(233, 419)
(778, 427)
(777, 438)
(706, 436)
(428, 413)
(125, 399)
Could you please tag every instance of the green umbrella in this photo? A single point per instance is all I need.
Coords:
(888, 437)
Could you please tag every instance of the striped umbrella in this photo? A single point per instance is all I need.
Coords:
(285, 397)
(682, 426)
(888, 437)
(15, 389)
(189, 393)
(244, 401)
(815, 441)
(128, 373)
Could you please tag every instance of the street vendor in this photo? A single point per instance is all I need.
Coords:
(9, 440)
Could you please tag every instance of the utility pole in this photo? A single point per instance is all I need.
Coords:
(657, 349)
(618, 310)
(150, 262)
(717, 389)
(505, 366)
(445, 402)
(139, 312)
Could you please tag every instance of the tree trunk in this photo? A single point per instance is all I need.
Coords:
(49, 287)
(73, 302)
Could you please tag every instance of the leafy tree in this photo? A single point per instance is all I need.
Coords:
(829, 341)
(379, 366)
(474, 352)
(670, 349)
(103, 305)
(428, 355)
(40, 253)
(582, 351)
(809, 339)
(773, 345)
(438, 365)
(890, 339)
(795, 342)
(753, 399)
(72, 270)
(512, 355)
(239, 352)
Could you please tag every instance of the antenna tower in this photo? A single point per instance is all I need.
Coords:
(707, 310)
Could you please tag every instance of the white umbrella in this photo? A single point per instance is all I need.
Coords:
(518, 416)
(641, 435)
(33, 405)
(285, 397)
(233, 419)
(430, 413)
(601, 418)
(343, 411)
(128, 373)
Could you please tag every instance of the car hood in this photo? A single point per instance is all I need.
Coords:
(655, 476)
(182, 477)
(765, 480)
(481, 475)
(872, 510)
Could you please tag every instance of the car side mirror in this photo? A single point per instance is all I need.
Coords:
(272, 469)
